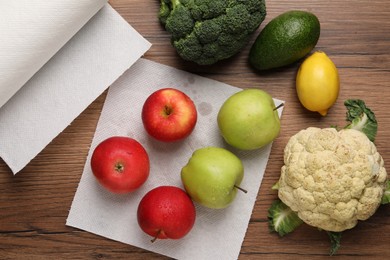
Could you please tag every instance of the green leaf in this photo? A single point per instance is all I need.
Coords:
(335, 240)
(275, 186)
(282, 219)
(361, 118)
(386, 194)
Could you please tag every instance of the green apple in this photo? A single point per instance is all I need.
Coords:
(212, 177)
(248, 119)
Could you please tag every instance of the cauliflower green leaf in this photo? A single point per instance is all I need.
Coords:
(361, 118)
(282, 219)
(275, 186)
(335, 238)
(386, 194)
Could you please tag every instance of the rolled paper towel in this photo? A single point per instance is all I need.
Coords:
(31, 32)
(87, 64)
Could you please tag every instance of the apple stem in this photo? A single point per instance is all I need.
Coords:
(155, 238)
(280, 105)
(241, 189)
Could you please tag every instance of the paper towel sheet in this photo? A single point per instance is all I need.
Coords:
(70, 81)
(32, 32)
(217, 234)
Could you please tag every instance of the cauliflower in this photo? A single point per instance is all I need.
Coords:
(331, 178)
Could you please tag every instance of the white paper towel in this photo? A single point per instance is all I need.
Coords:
(70, 81)
(31, 32)
(217, 234)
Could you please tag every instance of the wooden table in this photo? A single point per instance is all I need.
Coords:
(356, 36)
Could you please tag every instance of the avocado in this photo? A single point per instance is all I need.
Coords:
(284, 40)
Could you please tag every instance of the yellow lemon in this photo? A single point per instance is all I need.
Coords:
(318, 83)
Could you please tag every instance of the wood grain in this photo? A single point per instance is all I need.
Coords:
(356, 36)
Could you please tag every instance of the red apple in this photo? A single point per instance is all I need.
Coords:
(166, 212)
(169, 115)
(120, 164)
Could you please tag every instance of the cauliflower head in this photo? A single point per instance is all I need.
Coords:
(331, 178)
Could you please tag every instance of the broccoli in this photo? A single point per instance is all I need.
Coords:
(206, 31)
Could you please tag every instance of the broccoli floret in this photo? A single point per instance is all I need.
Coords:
(179, 21)
(206, 31)
(164, 12)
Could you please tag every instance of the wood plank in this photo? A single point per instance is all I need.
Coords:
(354, 33)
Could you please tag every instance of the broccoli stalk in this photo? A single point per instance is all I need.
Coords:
(361, 118)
